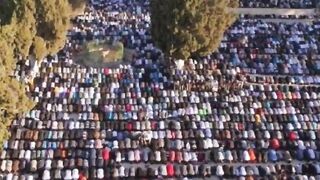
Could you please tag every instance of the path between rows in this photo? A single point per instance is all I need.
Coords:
(279, 11)
(278, 84)
(287, 21)
(276, 11)
(143, 164)
(295, 85)
(212, 177)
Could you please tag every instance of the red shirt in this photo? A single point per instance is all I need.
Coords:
(240, 126)
(170, 170)
(119, 76)
(173, 134)
(252, 155)
(106, 71)
(259, 111)
(178, 156)
(128, 107)
(133, 94)
(129, 126)
(106, 154)
(275, 143)
(153, 125)
(292, 136)
(172, 156)
(279, 95)
(82, 177)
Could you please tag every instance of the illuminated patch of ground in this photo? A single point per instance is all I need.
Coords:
(103, 54)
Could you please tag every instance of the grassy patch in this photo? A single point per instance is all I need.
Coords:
(100, 54)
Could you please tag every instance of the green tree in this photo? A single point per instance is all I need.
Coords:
(28, 28)
(184, 28)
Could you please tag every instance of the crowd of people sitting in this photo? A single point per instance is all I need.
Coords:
(296, 4)
(251, 110)
(273, 48)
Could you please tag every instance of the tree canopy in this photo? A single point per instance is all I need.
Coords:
(31, 29)
(184, 28)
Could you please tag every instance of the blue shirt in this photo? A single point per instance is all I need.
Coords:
(317, 167)
(299, 154)
(310, 154)
(120, 136)
(272, 155)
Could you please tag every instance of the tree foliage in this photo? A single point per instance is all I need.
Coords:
(29, 28)
(77, 6)
(184, 28)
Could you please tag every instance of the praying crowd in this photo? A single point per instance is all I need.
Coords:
(250, 110)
